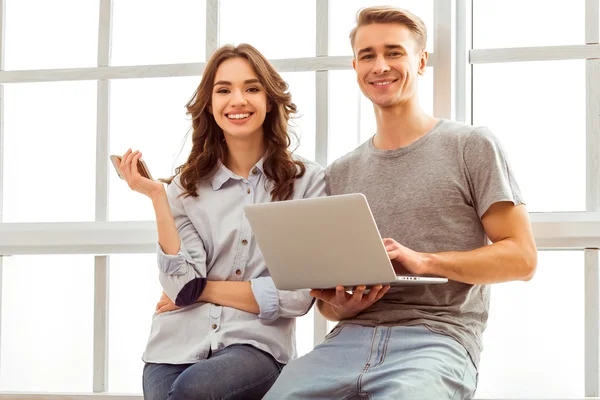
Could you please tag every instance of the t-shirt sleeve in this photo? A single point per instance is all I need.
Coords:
(490, 176)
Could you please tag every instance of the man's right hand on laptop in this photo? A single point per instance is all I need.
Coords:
(337, 304)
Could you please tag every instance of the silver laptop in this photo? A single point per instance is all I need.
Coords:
(324, 242)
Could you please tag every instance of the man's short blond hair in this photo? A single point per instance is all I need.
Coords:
(391, 15)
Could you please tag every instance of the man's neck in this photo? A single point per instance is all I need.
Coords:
(243, 155)
(401, 125)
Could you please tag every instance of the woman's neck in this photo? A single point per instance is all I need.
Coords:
(242, 155)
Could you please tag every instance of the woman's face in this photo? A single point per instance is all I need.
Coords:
(239, 101)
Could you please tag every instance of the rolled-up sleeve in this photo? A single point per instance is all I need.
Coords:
(181, 269)
(275, 303)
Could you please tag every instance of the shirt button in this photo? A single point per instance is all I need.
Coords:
(214, 326)
(254, 171)
(248, 190)
(244, 242)
(238, 272)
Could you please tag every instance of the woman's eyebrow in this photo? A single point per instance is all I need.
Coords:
(247, 81)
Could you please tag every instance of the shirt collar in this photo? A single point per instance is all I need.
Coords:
(223, 174)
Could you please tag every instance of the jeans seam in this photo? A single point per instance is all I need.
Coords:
(462, 378)
(367, 366)
(385, 346)
(253, 384)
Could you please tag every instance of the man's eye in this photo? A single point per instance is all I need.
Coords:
(366, 57)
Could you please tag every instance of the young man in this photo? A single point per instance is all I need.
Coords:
(438, 190)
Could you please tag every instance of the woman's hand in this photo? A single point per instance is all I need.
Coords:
(165, 304)
(128, 168)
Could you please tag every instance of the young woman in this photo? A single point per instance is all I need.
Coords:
(227, 331)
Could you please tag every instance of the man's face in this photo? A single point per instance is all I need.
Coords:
(387, 62)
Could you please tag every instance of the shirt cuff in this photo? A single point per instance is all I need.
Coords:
(266, 296)
(174, 264)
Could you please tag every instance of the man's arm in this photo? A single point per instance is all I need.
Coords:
(511, 256)
(337, 304)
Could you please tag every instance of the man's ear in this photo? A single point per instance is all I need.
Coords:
(423, 62)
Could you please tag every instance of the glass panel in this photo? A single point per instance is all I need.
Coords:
(344, 114)
(302, 87)
(134, 292)
(342, 19)
(277, 28)
(47, 323)
(149, 115)
(152, 32)
(537, 109)
(533, 346)
(50, 152)
(43, 34)
(516, 23)
(349, 110)
(305, 332)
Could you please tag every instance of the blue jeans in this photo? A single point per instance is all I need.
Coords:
(235, 372)
(399, 363)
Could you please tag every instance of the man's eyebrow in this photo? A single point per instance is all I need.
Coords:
(227, 83)
(394, 46)
(387, 46)
(365, 50)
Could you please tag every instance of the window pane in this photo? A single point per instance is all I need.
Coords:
(149, 115)
(342, 18)
(344, 114)
(134, 292)
(154, 32)
(50, 152)
(531, 23)
(277, 28)
(302, 88)
(349, 110)
(533, 346)
(47, 323)
(43, 34)
(305, 331)
(540, 120)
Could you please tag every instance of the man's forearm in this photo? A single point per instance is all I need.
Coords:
(230, 294)
(505, 260)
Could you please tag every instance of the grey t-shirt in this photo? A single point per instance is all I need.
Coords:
(430, 196)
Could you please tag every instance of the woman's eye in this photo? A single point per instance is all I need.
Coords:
(253, 90)
(222, 91)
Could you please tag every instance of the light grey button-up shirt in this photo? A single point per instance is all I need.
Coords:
(217, 243)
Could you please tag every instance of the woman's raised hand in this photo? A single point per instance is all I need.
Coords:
(128, 168)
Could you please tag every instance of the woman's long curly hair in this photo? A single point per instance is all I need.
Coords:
(209, 148)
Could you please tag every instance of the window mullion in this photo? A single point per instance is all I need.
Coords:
(101, 263)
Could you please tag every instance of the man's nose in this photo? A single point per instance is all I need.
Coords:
(381, 65)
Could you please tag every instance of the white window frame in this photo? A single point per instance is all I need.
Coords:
(453, 58)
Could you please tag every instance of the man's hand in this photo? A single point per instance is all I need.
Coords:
(404, 259)
(165, 304)
(344, 305)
